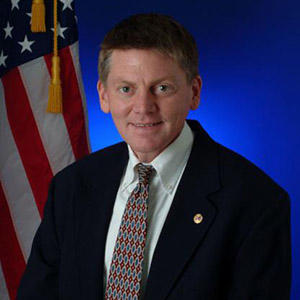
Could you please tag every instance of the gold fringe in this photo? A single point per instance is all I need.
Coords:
(38, 16)
(55, 90)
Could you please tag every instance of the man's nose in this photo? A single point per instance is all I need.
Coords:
(144, 102)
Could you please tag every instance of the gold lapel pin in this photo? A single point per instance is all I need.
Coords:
(198, 218)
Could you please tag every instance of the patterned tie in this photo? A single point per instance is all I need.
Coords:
(126, 266)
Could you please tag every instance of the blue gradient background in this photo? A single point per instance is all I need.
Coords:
(249, 62)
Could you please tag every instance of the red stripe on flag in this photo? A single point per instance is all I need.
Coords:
(73, 111)
(12, 260)
(27, 137)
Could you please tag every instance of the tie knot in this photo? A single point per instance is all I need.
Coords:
(144, 173)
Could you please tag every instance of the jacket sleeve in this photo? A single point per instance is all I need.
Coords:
(262, 269)
(40, 279)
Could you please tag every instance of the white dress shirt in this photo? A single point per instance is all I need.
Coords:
(169, 166)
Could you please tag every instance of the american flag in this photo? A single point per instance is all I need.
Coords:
(34, 144)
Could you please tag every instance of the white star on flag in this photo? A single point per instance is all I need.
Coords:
(2, 59)
(26, 44)
(15, 4)
(8, 30)
(67, 4)
(60, 30)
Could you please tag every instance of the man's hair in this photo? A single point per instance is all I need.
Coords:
(151, 31)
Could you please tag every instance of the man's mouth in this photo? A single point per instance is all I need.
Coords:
(146, 124)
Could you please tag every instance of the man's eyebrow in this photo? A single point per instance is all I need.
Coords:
(121, 80)
(164, 78)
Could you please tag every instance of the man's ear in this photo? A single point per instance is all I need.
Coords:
(196, 88)
(103, 97)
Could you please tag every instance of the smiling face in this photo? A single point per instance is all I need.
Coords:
(148, 96)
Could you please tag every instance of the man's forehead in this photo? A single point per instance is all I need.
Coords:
(117, 52)
(132, 55)
(128, 63)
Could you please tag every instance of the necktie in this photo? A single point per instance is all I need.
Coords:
(126, 267)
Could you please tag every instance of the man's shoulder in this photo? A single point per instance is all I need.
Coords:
(97, 162)
(234, 170)
(239, 173)
(231, 165)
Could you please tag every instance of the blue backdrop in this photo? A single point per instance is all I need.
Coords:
(249, 63)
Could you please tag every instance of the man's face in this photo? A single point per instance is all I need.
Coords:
(149, 98)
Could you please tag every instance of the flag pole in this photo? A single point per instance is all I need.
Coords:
(55, 90)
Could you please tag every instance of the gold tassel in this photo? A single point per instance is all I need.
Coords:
(38, 16)
(55, 91)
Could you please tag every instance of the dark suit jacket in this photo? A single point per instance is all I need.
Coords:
(240, 251)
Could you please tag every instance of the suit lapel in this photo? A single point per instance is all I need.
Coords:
(95, 206)
(181, 235)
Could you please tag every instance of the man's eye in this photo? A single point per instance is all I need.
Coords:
(163, 88)
(125, 89)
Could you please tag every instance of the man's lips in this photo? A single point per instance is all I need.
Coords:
(146, 124)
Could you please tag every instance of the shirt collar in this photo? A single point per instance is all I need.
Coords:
(167, 164)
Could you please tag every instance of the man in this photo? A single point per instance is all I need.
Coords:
(172, 214)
